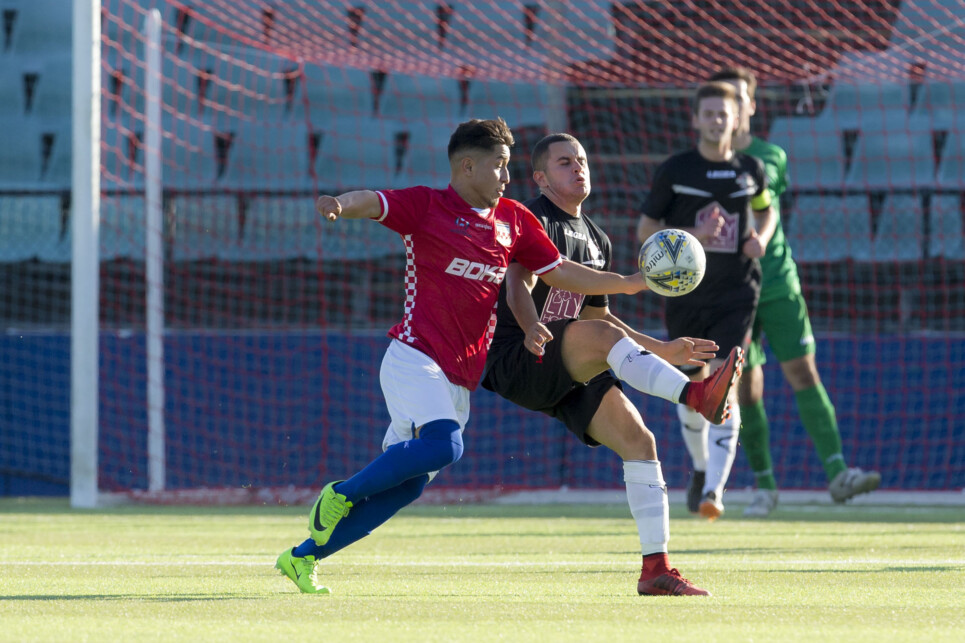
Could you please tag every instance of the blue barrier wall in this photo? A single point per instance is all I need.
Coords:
(301, 408)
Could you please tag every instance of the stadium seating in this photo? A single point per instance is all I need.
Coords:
(425, 161)
(268, 157)
(867, 106)
(892, 159)
(519, 104)
(11, 88)
(33, 227)
(358, 240)
(20, 154)
(52, 94)
(830, 228)
(899, 232)
(951, 171)
(57, 166)
(123, 230)
(119, 170)
(334, 92)
(814, 151)
(279, 228)
(420, 98)
(947, 238)
(356, 153)
(206, 227)
(240, 83)
(42, 26)
(189, 152)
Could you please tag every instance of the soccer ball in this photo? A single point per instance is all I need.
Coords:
(673, 262)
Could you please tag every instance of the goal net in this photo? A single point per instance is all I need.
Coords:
(274, 321)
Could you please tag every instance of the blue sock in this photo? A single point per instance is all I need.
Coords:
(366, 516)
(439, 444)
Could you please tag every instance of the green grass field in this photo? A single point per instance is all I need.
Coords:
(479, 573)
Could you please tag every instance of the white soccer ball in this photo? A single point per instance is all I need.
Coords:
(673, 262)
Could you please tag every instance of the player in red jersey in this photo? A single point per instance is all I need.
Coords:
(458, 242)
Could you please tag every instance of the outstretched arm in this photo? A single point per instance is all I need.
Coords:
(363, 204)
(578, 278)
(683, 351)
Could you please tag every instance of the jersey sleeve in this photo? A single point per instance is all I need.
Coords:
(404, 210)
(534, 249)
(658, 201)
(779, 185)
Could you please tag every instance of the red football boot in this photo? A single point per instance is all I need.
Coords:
(709, 397)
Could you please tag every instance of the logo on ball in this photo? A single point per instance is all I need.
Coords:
(673, 262)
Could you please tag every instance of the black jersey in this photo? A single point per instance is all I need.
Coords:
(686, 189)
(578, 239)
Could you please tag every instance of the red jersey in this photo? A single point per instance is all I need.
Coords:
(456, 259)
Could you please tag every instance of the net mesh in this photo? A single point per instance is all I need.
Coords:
(275, 320)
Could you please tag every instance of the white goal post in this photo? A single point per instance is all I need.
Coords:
(85, 222)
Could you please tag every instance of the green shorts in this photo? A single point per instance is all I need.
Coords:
(785, 322)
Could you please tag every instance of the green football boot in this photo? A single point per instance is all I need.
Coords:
(328, 510)
(301, 571)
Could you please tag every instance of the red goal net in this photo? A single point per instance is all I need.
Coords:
(275, 321)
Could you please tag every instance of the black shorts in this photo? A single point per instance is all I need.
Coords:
(726, 326)
(543, 384)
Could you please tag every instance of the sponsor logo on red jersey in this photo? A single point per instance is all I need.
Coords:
(476, 270)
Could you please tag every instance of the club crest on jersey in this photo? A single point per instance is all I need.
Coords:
(726, 239)
(503, 235)
(746, 181)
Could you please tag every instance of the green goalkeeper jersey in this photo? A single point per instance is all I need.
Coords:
(779, 271)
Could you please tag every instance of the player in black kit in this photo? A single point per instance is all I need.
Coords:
(720, 196)
(569, 379)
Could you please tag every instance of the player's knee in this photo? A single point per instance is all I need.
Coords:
(598, 336)
(609, 333)
(644, 440)
(444, 439)
(801, 373)
(638, 445)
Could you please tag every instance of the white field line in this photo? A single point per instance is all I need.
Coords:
(381, 562)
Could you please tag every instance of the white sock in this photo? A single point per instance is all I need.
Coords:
(693, 426)
(722, 449)
(645, 371)
(647, 497)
